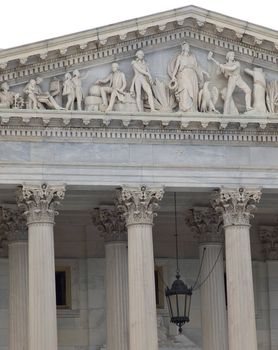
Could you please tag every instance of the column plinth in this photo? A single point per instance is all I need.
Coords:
(40, 203)
(139, 204)
(207, 226)
(16, 231)
(112, 227)
(236, 205)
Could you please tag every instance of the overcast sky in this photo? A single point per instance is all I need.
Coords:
(27, 21)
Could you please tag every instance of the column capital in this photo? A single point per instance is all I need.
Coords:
(40, 202)
(236, 204)
(14, 224)
(139, 203)
(205, 223)
(269, 238)
(110, 223)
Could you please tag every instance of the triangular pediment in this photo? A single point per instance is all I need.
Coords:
(160, 36)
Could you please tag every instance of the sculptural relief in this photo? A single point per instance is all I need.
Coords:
(259, 89)
(231, 71)
(272, 96)
(208, 98)
(190, 89)
(9, 99)
(68, 91)
(116, 88)
(185, 76)
(77, 85)
(36, 98)
(142, 80)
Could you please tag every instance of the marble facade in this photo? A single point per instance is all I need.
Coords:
(110, 123)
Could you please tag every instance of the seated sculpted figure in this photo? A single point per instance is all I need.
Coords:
(116, 87)
(36, 98)
(7, 97)
(142, 80)
(231, 71)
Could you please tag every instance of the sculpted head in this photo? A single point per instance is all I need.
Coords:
(185, 47)
(5, 86)
(32, 82)
(76, 73)
(114, 66)
(230, 56)
(140, 54)
(39, 80)
(67, 76)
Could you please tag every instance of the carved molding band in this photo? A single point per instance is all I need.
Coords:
(137, 135)
(172, 36)
(236, 204)
(269, 238)
(13, 223)
(40, 202)
(110, 223)
(139, 203)
(205, 224)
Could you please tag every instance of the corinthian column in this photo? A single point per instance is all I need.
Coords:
(236, 205)
(40, 203)
(112, 226)
(139, 204)
(16, 230)
(269, 238)
(207, 226)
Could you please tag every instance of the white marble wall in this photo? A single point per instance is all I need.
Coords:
(84, 327)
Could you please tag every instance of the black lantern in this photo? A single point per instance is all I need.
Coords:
(179, 295)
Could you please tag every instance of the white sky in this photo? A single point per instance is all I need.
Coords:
(27, 21)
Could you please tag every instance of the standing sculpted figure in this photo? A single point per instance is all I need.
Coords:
(185, 74)
(142, 81)
(231, 71)
(259, 89)
(116, 88)
(68, 90)
(78, 92)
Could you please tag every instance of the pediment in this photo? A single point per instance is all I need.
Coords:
(159, 36)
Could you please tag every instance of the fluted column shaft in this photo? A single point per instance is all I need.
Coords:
(116, 295)
(142, 304)
(13, 224)
(139, 204)
(18, 295)
(42, 305)
(241, 310)
(40, 203)
(236, 206)
(207, 227)
(213, 306)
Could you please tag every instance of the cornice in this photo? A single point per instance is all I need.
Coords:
(255, 122)
(138, 135)
(95, 44)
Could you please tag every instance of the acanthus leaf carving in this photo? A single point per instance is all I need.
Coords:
(40, 202)
(269, 238)
(13, 224)
(110, 223)
(236, 204)
(139, 203)
(205, 223)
